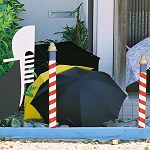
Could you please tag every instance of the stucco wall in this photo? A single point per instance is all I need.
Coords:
(103, 34)
(37, 13)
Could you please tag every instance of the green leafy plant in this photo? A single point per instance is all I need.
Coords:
(29, 91)
(78, 33)
(8, 27)
(46, 41)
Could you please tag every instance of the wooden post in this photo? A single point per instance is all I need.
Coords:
(142, 93)
(52, 85)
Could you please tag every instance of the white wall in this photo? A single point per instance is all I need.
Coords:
(37, 13)
(103, 34)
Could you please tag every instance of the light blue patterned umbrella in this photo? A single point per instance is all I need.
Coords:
(133, 57)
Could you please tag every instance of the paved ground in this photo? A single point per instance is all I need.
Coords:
(75, 145)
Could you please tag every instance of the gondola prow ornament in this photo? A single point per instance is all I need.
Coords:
(22, 43)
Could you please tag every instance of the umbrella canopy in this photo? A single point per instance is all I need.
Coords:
(10, 87)
(29, 111)
(68, 53)
(133, 57)
(84, 98)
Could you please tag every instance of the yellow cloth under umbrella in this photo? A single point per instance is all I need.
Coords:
(29, 111)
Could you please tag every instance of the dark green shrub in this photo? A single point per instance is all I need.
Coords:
(78, 33)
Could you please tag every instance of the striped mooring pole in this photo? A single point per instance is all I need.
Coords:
(52, 85)
(142, 93)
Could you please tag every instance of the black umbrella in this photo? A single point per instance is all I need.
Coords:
(84, 98)
(10, 87)
(68, 53)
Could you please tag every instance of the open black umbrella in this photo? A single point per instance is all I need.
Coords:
(10, 87)
(68, 53)
(84, 98)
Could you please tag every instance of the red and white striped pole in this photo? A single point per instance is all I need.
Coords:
(142, 93)
(52, 85)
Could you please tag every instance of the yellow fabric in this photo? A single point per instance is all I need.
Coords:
(61, 69)
(29, 111)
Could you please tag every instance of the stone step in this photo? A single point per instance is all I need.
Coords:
(129, 109)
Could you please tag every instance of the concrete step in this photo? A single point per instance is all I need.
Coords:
(129, 109)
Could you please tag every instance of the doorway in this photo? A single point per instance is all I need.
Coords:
(138, 28)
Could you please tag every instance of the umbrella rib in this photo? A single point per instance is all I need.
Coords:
(79, 98)
(94, 80)
(107, 78)
(98, 97)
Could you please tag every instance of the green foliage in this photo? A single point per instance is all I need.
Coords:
(8, 27)
(29, 91)
(78, 33)
(46, 41)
